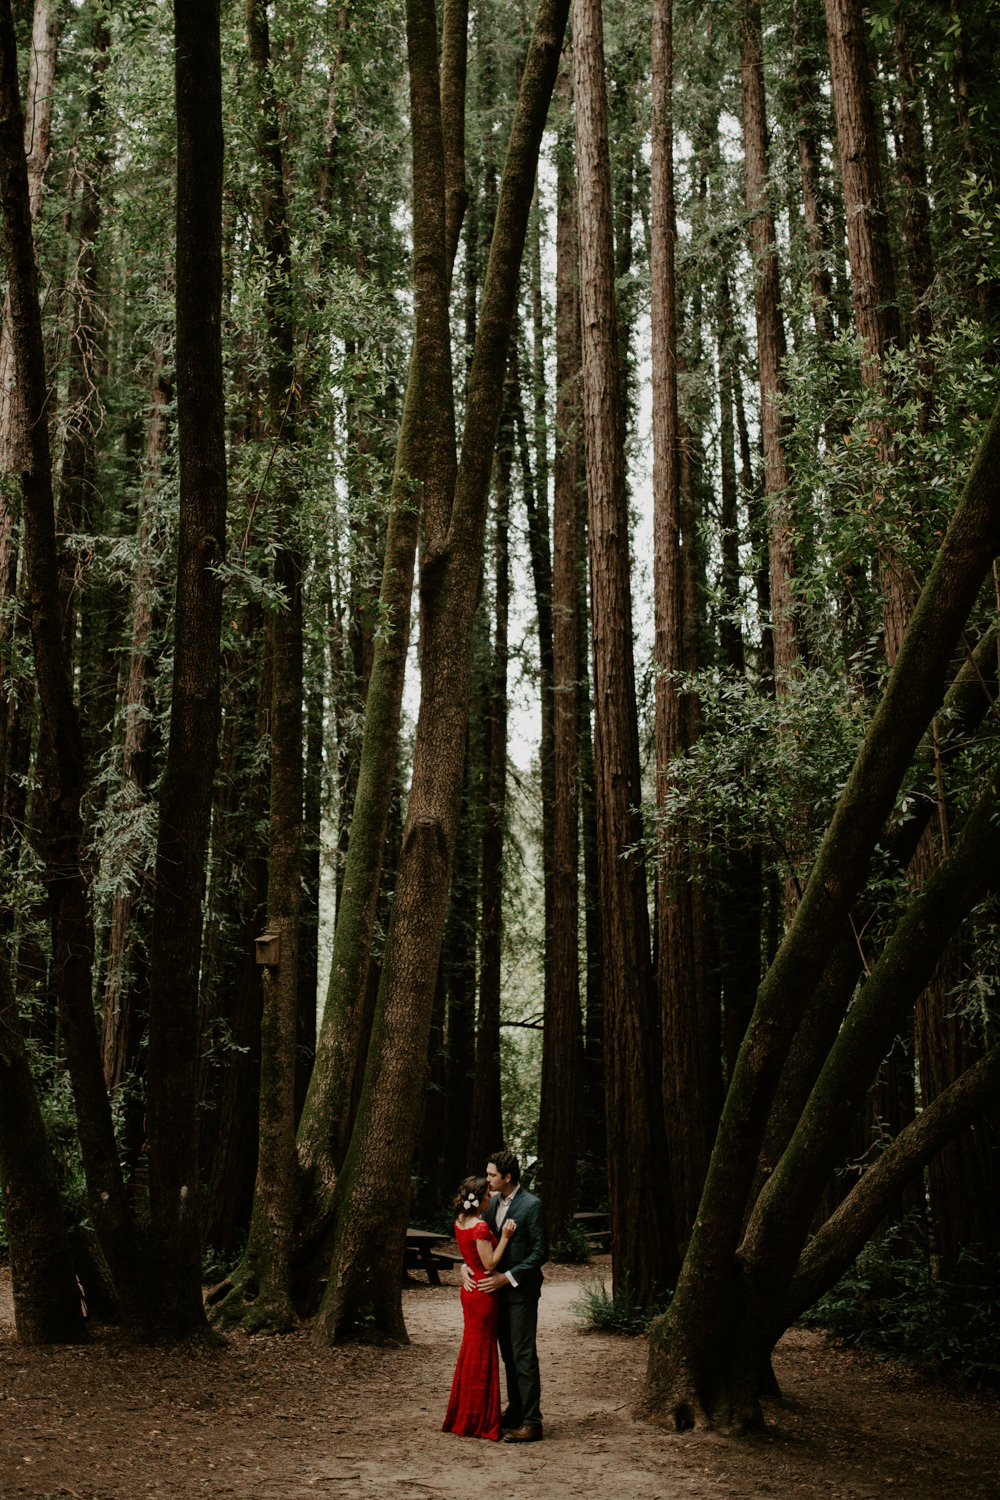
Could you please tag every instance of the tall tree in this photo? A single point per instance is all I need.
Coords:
(688, 1009)
(186, 790)
(267, 1262)
(61, 750)
(46, 1298)
(873, 279)
(702, 1369)
(425, 464)
(559, 1111)
(362, 1293)
(640, 1223)
(770, 343)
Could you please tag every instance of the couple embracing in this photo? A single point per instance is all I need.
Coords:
(500, 1230)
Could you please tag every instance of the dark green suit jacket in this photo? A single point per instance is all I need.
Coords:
(528, 1248)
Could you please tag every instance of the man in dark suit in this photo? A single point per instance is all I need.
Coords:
(517, 1281)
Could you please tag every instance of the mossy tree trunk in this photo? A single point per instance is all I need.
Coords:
(423, 481)
(693, 1375)
(363, 1291)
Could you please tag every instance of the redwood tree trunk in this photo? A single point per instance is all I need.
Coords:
(46, 1298)
(262, 1297)
(363, 1291)
(186, 789)
(489, 1118)
(770, 344)
(60, 749)
(640, 1221)
(559, 1115)
(689, 1347)
(873, 281)
(688, 1008)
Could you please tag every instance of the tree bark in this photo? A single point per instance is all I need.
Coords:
(46, 1298)
(425, 464)
(120, 1026)
(642, 1254)
(873, 280)
(559, 1113)
(262, 1297)
(186, 788)
(686, 1343)
(770, 346)
(363, 1291)
(688, 1009)
(61, 747)
(494, 815)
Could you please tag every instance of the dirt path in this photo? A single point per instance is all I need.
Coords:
(279, 1419)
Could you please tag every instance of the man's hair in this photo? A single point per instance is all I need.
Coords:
(506, 1164)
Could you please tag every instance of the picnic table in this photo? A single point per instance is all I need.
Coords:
(597, 1228)
(420, 1254)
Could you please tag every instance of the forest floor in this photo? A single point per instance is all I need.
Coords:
(280, 1419)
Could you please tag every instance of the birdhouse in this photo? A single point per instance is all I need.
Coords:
(268, 947)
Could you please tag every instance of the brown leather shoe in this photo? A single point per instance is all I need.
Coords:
(524, 1435)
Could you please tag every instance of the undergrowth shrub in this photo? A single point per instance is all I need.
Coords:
(572, 1248)
(895, 1304)
(602, 1312)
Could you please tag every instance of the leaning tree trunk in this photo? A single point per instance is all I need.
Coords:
(425, 460)
(779, 1225)
(687, 1380)
(640, 1221)
(186, 788)
(363, 1291)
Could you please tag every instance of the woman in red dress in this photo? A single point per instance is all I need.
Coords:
(474, 1407)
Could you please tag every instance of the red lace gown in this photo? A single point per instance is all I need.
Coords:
(474, 1408)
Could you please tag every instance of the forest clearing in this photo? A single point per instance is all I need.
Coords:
(278, 1419)
(499, 670)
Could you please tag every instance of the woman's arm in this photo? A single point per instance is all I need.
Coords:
(490, 1255)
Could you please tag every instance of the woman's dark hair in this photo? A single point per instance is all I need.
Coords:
(471, 1187)
(507, 1165)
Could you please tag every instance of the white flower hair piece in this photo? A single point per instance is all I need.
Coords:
(470, 1203)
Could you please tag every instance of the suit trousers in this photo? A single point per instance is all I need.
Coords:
(517, 1331)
